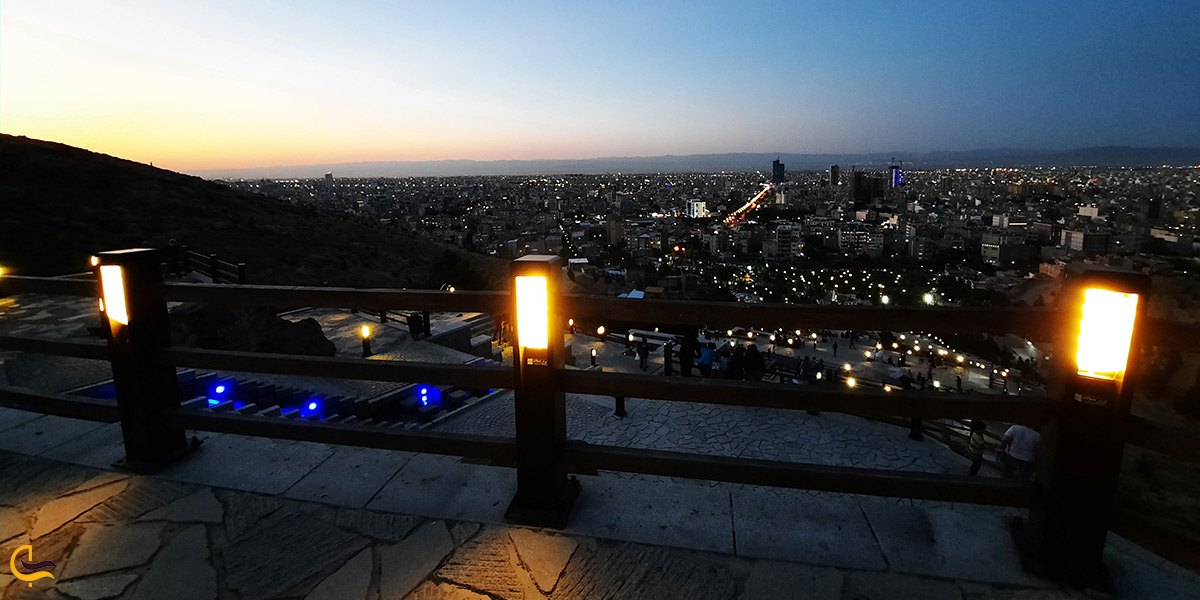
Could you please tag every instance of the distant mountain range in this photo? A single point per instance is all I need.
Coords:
(1102, 156)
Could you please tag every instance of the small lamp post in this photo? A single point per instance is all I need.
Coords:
(365, 333)
(1082, 449)
(544, 493)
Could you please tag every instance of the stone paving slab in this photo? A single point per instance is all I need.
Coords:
(771, 580)
(350, 582)
(893, 586)
(11, 417)
(798, 527)
(104, 548)
(408, 562)
(349, 477)
(199, 507)
(40, 435)
(286, 554)
(684, 515)
(248, 463)
(61, 510)
(975, 546)
(100, 448)
(445, 488)
(182, 570)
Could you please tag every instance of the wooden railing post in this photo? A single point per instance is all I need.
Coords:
(131, 281)
(544, 493)
(212, 268)
(241, 269)
(1081, 449)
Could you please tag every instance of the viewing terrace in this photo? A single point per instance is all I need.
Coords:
(706, 488)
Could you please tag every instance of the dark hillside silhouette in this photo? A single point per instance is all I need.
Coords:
(61, 204)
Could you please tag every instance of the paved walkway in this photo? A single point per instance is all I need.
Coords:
(256, 518)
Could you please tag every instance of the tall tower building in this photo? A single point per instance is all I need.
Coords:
(329, 181)
(835, 173)
(777, 175)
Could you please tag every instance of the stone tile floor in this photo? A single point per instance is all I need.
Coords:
(400, 525)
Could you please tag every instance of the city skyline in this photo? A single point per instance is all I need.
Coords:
(229, 86)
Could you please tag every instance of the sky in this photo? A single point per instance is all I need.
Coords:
(220, 84)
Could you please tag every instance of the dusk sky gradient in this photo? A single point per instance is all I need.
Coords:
(248, 83)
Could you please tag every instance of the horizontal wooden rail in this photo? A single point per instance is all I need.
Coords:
(827, 397)
(77, 348)
(1174, 442)
(478, 376)
(19, 284)
(1184, 337)
(1033, 323)
(62, 405)
(495, 450)
(331, 297)
(583, 457)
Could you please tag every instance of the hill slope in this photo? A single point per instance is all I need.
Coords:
(60, 204)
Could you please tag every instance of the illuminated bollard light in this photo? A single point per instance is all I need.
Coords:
(1080, 463)
(544, 492)
(365, 333)
(593, 357)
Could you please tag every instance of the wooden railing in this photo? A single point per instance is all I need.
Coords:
(576, 456)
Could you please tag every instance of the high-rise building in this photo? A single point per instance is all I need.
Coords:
(835, 173)
(329, 181)
(897, 175)
(697, 209)
(777, 172)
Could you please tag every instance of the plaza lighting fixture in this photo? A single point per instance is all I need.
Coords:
(960, 358)
(851, 382)
(600, 331)
(847, 367)
(95, 260)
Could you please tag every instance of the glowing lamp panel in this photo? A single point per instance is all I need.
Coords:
(113, 284)
(533, 311)
(1105, 333)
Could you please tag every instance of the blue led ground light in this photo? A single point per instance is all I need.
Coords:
(428, 395)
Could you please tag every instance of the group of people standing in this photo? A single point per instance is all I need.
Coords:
(1017, 453)
(726, 362)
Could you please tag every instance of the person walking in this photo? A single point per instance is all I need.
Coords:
(958, 382)
(756, 365)
(707, 354)
(976, 444)
(668, 357)
(835, 348)
(173, 258)
(643, 353)
(1022, 445)
(688, 351)
(736, 368)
